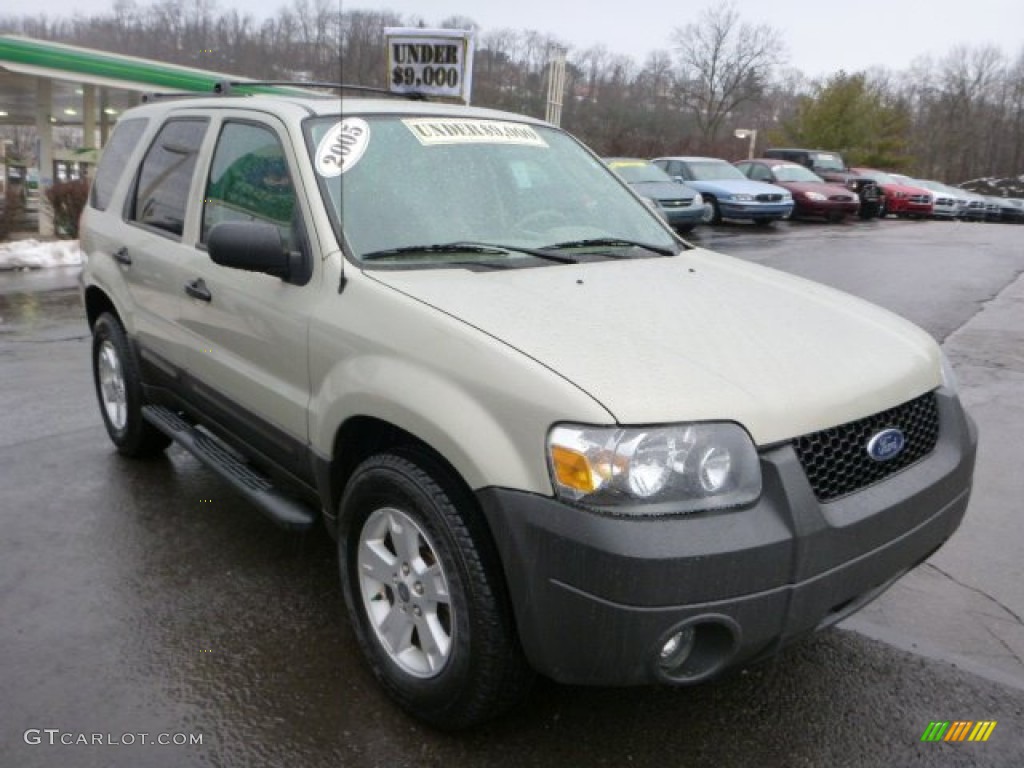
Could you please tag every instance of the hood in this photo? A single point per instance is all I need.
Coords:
(736, 187)
(813, 186)
(662, 190)
(892, 189)
(695, 337)
(840, 177)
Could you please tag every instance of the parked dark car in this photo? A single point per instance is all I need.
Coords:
(812, 196)
(1011, 210)
(832, 168)
(680, 204)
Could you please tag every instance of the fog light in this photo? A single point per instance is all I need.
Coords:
(677, 648)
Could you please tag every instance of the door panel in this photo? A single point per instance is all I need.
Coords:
(249, 360)
(150, 253)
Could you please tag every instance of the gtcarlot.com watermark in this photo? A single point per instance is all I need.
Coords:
(55, 736)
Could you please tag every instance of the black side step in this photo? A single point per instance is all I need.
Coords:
(283, 510)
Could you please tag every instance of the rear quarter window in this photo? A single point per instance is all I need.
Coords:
(115, 160)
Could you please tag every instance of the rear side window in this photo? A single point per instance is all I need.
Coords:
(165, 179)
(114, 160)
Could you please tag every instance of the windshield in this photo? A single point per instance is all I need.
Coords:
(417, 189)
(794, 173)
(638, 171)
(878, 176)
(828, 161)
(713, 170)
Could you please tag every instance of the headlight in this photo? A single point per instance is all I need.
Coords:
(743, 198)
(698, 199)
(815, 196)
(948, 374)
(656, 470)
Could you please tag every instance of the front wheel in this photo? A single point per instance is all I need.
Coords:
(119, 390)
(712, 212)
(425, 593)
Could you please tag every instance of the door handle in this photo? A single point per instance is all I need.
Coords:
(121, 256)
(197, 290)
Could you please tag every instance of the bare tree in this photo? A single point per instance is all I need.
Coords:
(723, 64)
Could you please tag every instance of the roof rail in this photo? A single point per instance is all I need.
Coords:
(159, 95)
(226, 87)
(413, 95)
(242, 88)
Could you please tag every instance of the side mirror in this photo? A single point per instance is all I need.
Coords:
(254, 246)
(678, 179)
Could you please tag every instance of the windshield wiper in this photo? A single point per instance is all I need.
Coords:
(610, 242)
(494, 249)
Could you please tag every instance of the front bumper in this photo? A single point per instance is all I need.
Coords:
(897, 205)
(684, 216)
(825, 208)
(596, 597)
(753, 210)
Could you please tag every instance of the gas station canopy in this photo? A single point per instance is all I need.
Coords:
(47, 85)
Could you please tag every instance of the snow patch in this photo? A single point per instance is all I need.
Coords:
(33, 254)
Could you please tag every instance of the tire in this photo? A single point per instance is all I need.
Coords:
(471, 668)
(716, 212)
(119, 391)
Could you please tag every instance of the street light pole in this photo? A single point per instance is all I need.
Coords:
(743, 133)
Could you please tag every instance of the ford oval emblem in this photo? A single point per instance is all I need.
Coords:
(886, 445)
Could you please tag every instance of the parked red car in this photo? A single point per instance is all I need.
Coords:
(900, 199)
(812, 195)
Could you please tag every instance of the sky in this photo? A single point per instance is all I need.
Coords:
(822, 36)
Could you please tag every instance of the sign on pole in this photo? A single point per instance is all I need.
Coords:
(436, 62)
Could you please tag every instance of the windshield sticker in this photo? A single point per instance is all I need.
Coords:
(432, 131)
(342, 146)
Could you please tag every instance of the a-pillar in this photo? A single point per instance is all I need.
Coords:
(44, 129)
(89, 117)
(104, 117)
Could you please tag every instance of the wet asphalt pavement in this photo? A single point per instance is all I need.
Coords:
(146, 598)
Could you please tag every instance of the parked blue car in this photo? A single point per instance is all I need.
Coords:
(727, 192)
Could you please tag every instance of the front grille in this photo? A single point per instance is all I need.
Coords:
(837, 462)
(943, 201)
(920, 199)
(676, 203)
(841, 198)
(769, 198)
(866, 188)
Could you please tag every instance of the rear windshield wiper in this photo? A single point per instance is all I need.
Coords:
(494, 249)
(610, 242)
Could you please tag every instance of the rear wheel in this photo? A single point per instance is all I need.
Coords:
(425, 593)
(119, 390)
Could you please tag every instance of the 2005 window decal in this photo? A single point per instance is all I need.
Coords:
(342, 146)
